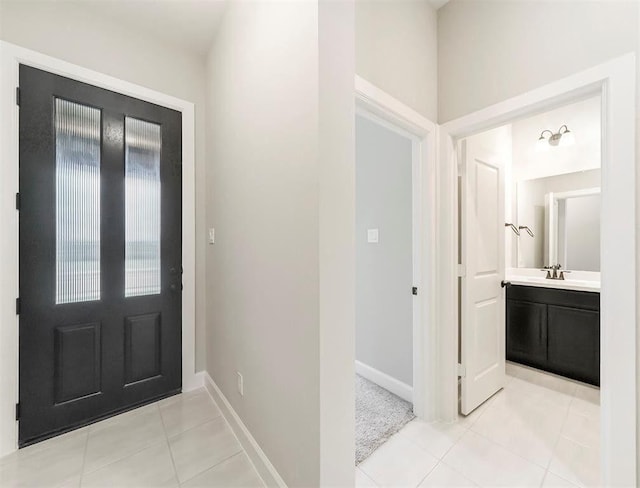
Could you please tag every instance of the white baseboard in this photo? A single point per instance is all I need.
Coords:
(260, 461)
(385, 381)
(195, 381)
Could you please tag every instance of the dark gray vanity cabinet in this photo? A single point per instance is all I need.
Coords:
(555, 330)
(527, 332)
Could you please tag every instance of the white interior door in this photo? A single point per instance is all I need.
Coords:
(483, 242)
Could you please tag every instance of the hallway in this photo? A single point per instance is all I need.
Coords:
(181, 441)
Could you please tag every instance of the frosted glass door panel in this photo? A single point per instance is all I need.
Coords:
(142, 207)
(77, 146)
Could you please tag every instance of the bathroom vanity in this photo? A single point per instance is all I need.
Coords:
(555, 328)
(553, 311)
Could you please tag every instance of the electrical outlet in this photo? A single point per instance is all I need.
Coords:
(240, 384)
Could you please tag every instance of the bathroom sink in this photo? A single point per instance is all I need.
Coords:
(566, 284)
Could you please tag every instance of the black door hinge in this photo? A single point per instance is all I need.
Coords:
(18, 96)
(17, 306)
(17, 411)
(17, 201)
(414, 290)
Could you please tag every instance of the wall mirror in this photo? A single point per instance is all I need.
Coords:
(563, 214)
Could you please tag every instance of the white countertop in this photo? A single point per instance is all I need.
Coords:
(576, 280)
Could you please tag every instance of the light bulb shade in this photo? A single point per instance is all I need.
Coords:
(567, 139)
(542, 145)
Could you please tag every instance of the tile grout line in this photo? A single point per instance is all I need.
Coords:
(219, 415)
(166, 438)
(242, 449)
(430, 471)
(84, 458)
(211, 467)
(510, 451)
(367, 476)
(208, 421)
(137, 451)
(564, 423)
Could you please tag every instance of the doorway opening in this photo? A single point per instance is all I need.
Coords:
(529, 324)
(385, 257)
(395, 219)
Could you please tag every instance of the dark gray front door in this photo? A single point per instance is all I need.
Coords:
(100, 253)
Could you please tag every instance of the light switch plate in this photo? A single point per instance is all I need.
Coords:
(372, 236)
(212, 235)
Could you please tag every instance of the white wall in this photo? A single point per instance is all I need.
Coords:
(396, 50)
(281, 198)
(490, 50)
(582, 118)
(384, 274)
(75, 34)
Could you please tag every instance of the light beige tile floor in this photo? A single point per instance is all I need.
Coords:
(540, 431)
(180, 441)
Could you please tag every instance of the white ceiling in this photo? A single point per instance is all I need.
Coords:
(191, 24)
(437, 3)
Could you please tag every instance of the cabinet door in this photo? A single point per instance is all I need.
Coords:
(527, 332)
(574, 343)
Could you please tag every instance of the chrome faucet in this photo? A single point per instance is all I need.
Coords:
(557, 274)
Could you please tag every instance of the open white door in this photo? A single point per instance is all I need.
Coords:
(483, 240)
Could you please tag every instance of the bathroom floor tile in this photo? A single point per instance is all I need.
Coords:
(398, 462)
(528, 427)
(466, 421)
(363, 481)
(444, 477)
(576, 463)
(436, 437)
(488, 464)
(582, 429)
(554, 481)
(519, 387)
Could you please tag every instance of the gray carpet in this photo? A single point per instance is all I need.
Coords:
(379, 415)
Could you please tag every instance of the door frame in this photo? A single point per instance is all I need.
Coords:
(378, 105)
(11, 56)
(615, 82)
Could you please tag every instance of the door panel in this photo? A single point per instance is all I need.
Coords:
(527, 332)
(483, 307)
(100, 253)
(574, 343)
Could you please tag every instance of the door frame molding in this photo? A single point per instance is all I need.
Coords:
(11, 56)
(615, 81)
(375, 104)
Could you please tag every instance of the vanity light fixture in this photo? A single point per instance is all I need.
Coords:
(564, 137)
